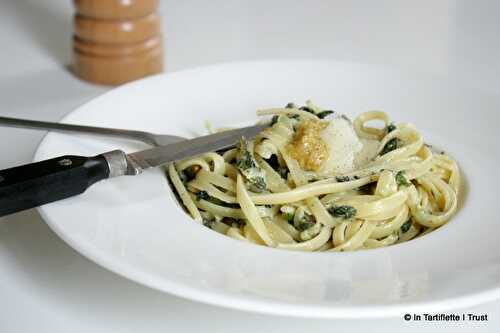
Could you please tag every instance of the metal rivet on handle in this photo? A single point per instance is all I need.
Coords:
(64, 162)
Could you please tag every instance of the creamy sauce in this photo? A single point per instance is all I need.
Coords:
(308, 147)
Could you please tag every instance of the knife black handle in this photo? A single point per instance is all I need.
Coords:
(35, 184)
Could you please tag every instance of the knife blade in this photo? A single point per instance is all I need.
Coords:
(157, 156)
(38, 183)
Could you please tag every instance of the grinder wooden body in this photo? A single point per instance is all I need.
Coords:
(116, 41)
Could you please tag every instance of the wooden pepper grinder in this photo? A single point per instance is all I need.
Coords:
(116, 41)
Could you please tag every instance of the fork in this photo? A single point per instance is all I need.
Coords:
(152, 139)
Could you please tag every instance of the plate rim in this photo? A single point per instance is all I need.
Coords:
(250, 302)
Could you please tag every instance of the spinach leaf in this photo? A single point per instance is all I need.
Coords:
(401, 179)
(406, 226)
(184, 178)
(202, 195)
(345, 212)
(306, 109)
(247, 165)
(244, 159)
(391, 145)
(232, 222)
(324, 114)
(342, 179)
(391, 127)
(304, 222)
(209, 223)
(274, 163)
(274, 119)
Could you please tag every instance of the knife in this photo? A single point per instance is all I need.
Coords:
(38, 183)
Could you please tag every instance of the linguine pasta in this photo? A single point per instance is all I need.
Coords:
(315, 181)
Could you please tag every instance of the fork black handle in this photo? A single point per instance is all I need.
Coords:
(38, 183)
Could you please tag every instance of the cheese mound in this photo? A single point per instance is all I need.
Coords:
(343, 145)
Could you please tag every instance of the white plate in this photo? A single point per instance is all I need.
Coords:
(132, 226)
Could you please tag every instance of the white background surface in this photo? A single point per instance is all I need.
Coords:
(46, 287)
